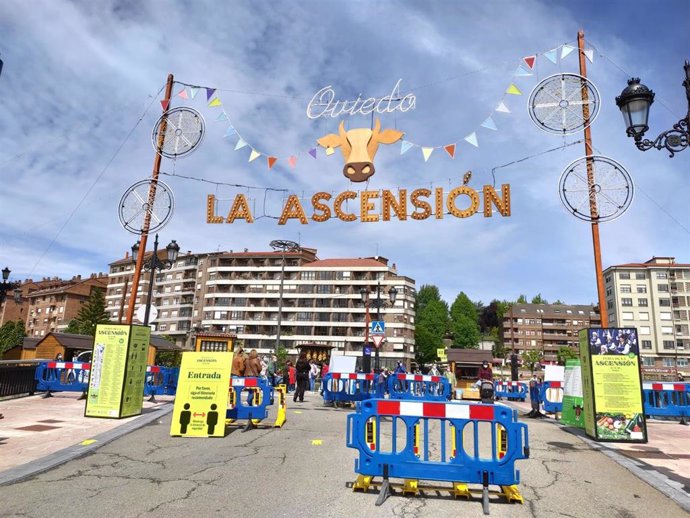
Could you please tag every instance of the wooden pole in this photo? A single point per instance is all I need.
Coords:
(151, 199)
(593, 211)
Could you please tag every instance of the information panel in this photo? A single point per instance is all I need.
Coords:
(118, 368)
(202, 395)
(612, 385)
(573, 414)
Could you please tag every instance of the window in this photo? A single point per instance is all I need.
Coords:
(624, 275)
(643, 302)
(668, 344)
(626, 302)
(645, 330)
(640, 275)
(647, 362)
(682, 362)
(646, 344)
(608, 279)
(627, 315)
(663, 288)
(641, 288)
(668, 362)
(665, 315)
(666, 330)
(643, 316)
(661, 275)
(609, 291)
(665, 303)
(626, 288)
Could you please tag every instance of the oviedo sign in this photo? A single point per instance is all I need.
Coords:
(358, 147)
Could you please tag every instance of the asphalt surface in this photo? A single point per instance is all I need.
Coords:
(305, 469)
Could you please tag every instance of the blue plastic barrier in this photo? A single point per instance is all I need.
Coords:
(667, 400)
(161, 381)
(462, 456)
(240, 389)
(417, 387)
(62, 376)
(551, 396)
(351, 387)
(512, 390)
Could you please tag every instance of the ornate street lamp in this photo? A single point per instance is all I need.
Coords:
(6, 286)
(378, 303)
(153, 264)
(284, 246)
(634, 103)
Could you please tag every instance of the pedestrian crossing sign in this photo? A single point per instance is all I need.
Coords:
(378, 327)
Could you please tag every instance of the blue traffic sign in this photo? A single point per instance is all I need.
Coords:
(378, 327)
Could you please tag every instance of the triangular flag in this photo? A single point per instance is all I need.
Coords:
(240, 144)
(164, 104)
(450, 149)
(271, 161)
(514, 90)
(230, 131)
(254, 155)
(292, 161)
(589, 53)
(551, 55)
(565, 50)
(426, 151)
(193, 91)
(183, 94)
(521, 72)
(215, 102)
(530, 61)
(502, 108)
(405, 146)
(209, 93)
(312, 152)
(489, 124)
(472, 139)
(329, 151)
(222, 116)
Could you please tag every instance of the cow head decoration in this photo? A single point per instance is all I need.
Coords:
(359, 148)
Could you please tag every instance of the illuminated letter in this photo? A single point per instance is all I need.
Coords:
(211, 216)
(414, 198)
(439, 202)
(474, 202)
(389, 201)
(240, 209)
(344, 216)
(366, 206)
(326, 212)
(293, 209)
(490, 196)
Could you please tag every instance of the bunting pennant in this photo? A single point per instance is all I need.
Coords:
(292, 161)
(230, 132)
(530, 61)
(489, 124)
(215, 102)
(502, 108)
(566, 50)
(209, 93)
(240, 144)
(513, 90)
(450, 149)
(472, 139)
(329, 151)
(521, 72)
(551, 55)
(589, 54)
(222, 116)
(193, 91)
(426, 151)
(182, 94)
(164, 104)
(404, 146)
(312, 152)
(254, 155)
(271, 160)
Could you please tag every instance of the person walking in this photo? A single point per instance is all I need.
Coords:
(313, 374)
(238, 363)
(302, 374)
(292, 376)
(324, 371)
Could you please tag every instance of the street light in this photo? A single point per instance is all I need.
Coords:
(634, 103)
(284, 246)
(153, 264)
(6, 286)
(378, 303)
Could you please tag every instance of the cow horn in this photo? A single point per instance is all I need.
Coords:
(341, 129)
(377, 126)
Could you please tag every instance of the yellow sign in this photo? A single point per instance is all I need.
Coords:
(118, 370)
(441, 353)
(202, 395)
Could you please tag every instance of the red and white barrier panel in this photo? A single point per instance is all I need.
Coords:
(69, 365)
(244, 382)
(433, 409)
(153, 368)
(555, 384)
(418, 377)
(352, 376)
(676, 387)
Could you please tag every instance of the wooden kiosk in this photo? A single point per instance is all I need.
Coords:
(465, 364)
(207, 341)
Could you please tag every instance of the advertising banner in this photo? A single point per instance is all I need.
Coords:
(202, 395)
(118, 368)
(612, 385)
(573, 408)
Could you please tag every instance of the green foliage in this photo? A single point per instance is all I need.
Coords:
(282, 355)
(566, 353)
(560, 302)
(168, 358)
(91, 313)
(465, 333)
(426, 294)
(531, 358)
(12, 333)
(521, 300)
(538, 299)
(434, 316)
(425, 345)
(463, 306)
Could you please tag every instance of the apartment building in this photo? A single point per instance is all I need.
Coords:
(546, 327)
(653, 297)
(13, 310)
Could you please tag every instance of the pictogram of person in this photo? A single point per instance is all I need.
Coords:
(212, 419)
(185, 418)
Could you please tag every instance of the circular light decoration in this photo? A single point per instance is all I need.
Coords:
(178, 132)
(135, 205)
(564, 104)
(611, 189)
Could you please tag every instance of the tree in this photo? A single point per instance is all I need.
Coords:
(538, 299)
(91, 314)
(464, 326)
(566, 353)
(521, 300)
(559, 302)
(282, 356)
(12, 333)
(531, 358)
(426, 294)
(425, 345)
(434, 316)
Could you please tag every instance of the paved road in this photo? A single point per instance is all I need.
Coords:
(280, 472)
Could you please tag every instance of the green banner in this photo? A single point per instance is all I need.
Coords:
(135, 372)
(573, 408)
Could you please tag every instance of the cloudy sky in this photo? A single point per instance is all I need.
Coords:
(81, 89)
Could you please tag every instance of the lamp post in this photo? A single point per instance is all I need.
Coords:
(283, 246)
(378, 303)
(153, 264)
(634, 103)
(6, 286)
